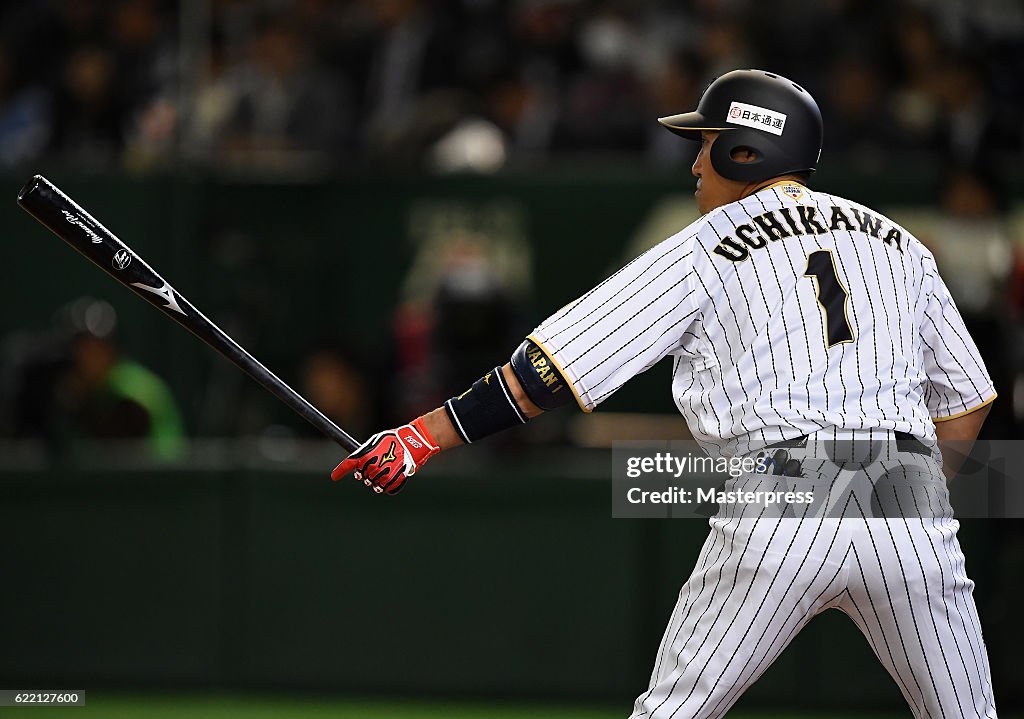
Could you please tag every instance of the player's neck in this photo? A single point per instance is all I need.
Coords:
(758, 186)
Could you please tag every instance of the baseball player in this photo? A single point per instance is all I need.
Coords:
(797, 320)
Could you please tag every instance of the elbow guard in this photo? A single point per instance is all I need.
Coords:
(539, 377)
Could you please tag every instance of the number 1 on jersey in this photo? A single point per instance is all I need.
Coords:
(832, 297)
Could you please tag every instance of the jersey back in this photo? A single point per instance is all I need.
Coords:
(786, 312)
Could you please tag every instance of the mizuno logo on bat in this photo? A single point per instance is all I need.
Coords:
(166, 292)
(96, 239)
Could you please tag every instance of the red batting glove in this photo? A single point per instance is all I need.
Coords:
(387, 459)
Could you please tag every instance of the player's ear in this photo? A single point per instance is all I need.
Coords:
(743, 154)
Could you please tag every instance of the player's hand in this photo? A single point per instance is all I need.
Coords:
(387, 459)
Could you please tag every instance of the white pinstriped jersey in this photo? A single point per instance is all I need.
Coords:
(786, 312)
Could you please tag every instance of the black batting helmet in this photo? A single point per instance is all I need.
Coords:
(774, 117)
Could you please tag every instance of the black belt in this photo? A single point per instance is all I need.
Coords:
(905, 442)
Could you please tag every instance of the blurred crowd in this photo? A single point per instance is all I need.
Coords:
(285, 86)
(480, 84)
(71, 382)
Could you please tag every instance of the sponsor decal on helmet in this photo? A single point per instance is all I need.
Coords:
(760, 118)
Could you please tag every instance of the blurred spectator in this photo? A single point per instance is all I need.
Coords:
(71, 382)
(964, 22)
(410, 59)
(917, 76)
(970, 130)
(473, 145)
(807, 35)
(477, 317)
(516, 125)
(143, 53)
(287, 110)
(973, 249)
(674, 87)
(724, 46)
(463, 310)
(107, 396)
(25, 116)
(87, 127)
(527, 110)
(859, 127)
(146, 78)
(212, 107)
(603, 102)
(542, 34)
(972, 243)
(334, 383)
(30, 368)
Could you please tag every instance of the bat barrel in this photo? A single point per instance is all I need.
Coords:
(66, 219)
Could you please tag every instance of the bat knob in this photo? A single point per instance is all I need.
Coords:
(31, 186)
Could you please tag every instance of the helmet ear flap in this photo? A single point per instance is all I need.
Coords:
(722, 160)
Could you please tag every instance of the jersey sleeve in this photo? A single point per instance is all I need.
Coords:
(958, 382)
(626, 324)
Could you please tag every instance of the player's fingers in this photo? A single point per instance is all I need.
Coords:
(394, 484)
(374, 475)
(346, 466)
(365, 472)
(397, 485)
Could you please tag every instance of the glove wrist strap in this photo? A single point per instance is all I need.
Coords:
(419, 442)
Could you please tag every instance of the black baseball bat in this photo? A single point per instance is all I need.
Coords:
(66, 219)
